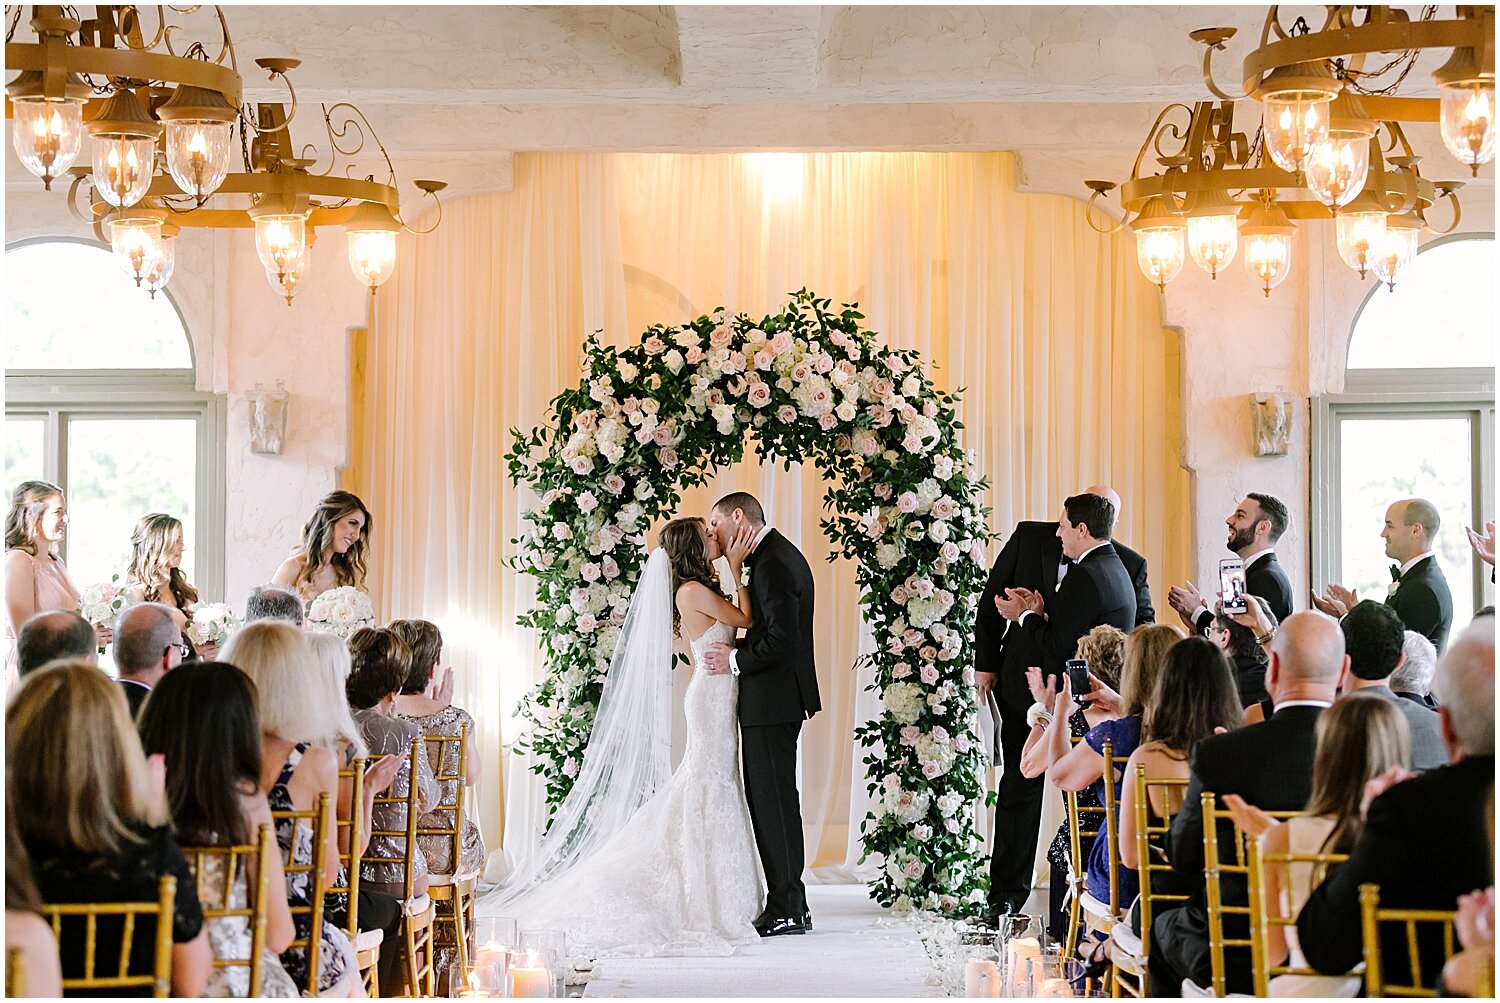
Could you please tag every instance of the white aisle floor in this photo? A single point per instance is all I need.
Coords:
(856, 949)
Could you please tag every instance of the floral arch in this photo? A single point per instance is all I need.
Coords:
(810, 384)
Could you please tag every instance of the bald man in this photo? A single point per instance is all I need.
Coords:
(1135, 564)
(1270, 766)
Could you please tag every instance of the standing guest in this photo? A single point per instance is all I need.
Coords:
(1373, 639)
(274, 602)
(1135, 564)
(35, 577)
(53, 636)
(1412, 679)
(1032, 564)
(295, 769)
(1254, 529)
(426, 700)
(155, 572)
(1270, 765)
(380, 663)
(148, 645)
(1418, 592)
(202, 719)
(1425, 840)
(28, 937)
(1247, 657)
(89, 810)
(332, 552)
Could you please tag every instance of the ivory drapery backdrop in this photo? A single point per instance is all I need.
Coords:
(1056, 338)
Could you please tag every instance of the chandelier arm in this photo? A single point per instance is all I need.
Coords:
(435, 224)
(291, 113)
(1208, 76)
(1153, 136)
(80, 176)
(1102, 189)
(357, 122)
(1451, 194)
(130, 29)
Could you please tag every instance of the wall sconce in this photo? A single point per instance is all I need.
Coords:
(267, 418)
(1271, 423)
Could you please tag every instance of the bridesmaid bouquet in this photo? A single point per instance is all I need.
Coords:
(340, 611)
(100, 604)
(212, 623)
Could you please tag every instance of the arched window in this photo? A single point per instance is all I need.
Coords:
(100, 399)
(1417, 418)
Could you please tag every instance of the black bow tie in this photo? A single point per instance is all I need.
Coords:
(1395, 572)
(1066, 561)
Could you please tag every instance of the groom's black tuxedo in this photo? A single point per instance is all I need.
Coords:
(1423, 602)
(778, 691)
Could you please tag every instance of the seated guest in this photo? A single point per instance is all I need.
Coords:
(89, 811)
(1373, 638)
(55, 635)
(202, 718)
(1269, 765)
(148, 645)
(28, 937)
(426, 700)
(295, 769)
(273, 602)
(1194, 698)
(380, 663)
(1246, 656)
(1471, 972)
(1425, 839)
(1412, 679)
(1358, 740)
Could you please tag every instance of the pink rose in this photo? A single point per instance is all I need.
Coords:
(928, 653)
(827, 420)
(759, 395)
(632, 405)
(950, 551)
(940, 734)
(694, 355)
(895, 364)
(667, 456)
(881, 388)
(586, 420)
(846, 367)
(614, 483)
(880, 416)
(908, 414)
(907, 502)
(610, 408)
(929, 675)
(961, 743)
(930, 409)
(824, 363)
(801, 371)
(912, 443)
(909, 735)
(587, 502)
(951, 824)
(822, 398)
(786, 414)
(720, 336)
(588, 623)
(899, 595)
(781, 343)
(915, 868)
(581, 465)
(654, 345)
(591, 572)
(610, 568)
(714, 396)
(764, 359)
(900, 670)
(662, 436)
(875, 529)
(930, 770)
(883, 491)
(943, 508)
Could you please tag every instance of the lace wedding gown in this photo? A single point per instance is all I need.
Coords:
(682, 877)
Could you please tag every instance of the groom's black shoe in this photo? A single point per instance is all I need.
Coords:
(777, 927)
(807, 920)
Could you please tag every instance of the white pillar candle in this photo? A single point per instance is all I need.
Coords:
(1055, 989)
(981, 979)
(530, 979)
(1016, 954)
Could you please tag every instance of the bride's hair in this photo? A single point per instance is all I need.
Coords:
(687, 552)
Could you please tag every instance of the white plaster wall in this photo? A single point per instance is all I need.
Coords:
(243, 333)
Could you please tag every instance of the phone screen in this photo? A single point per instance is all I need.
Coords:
(1078, 676)
(1232, 585)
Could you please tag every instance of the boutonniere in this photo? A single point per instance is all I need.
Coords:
(745, 576)
(1391, 589)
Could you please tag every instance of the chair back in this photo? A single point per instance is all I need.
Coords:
(407, 834)
(1215, 869)
(452, 808)
(159, 980)
(228, 863)
(1433, 924)
(1262, 920)
(1149, 835)
(15, 973)
(318, 818)
(1084, 825)
(1112, 827)
(350, 831)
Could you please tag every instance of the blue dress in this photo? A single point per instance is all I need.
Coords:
(1124, 734)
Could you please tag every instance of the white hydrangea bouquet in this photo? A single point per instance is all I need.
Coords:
(212, 623)
(340, 611)
(100, 604)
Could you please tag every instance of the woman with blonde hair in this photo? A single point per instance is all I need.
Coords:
(35, 577)
(90, 812)
(298, 764)
(332, 552)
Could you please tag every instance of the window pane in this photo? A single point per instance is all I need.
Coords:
(1385, 459)
(1436, 297)
(24, 438)
(114, 326)
(118, 471)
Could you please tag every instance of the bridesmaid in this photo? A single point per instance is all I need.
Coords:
(332, 552)
(35, 577)
(155, 572)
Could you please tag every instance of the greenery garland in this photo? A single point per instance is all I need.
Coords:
(811, 385)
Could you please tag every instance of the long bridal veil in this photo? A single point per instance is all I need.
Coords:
(628, 758)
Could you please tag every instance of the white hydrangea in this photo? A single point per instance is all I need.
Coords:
(887, 555)
(904, 701)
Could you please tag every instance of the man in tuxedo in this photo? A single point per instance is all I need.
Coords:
(1373, 638)
(1254, 529)
(1418, 591)
(1135, 564)
(1039, 561)
(778, 691)
(53, 635)
(1270, 765)
(1425, 838)
(148, 645)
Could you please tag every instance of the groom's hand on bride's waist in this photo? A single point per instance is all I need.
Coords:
(716, 659)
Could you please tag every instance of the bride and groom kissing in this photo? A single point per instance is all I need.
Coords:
(642, 861)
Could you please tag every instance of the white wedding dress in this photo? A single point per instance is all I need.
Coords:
(681, 877)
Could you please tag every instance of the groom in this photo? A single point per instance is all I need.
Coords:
(778, 691)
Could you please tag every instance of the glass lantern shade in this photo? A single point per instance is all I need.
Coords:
(199, 155)
(137, 245)
(1359, 233)
(280, 242)
(47, 135)
(158, 270)
(1268, 257)
(1395, 249)
(372, 255)
(1336, 171)
(1160, 252)
(1295, 122)
(1213, 239)
(123, 168)
(1467, 117)
(286, 283)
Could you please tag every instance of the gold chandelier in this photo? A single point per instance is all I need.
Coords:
(162, 119)
(1329, 144)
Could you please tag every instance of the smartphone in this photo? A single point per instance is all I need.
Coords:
(1232, 585)
(1078, 677)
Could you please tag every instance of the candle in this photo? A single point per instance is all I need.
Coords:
(1017, 952)
(490, 954)
(981, 979)
(1055, 989)
(530, 980)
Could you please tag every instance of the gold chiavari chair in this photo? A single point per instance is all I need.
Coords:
(225, 864)
(1438, 921)
(1080, 839)
(1261, 920)
(1097, 916)
(15, 973)
(1214, 871)
(318, 818)
(367, 943)
(127, 914)
(417, 912)
(452, 892)
(1131, 953)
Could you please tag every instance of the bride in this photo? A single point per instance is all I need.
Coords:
(637, 864)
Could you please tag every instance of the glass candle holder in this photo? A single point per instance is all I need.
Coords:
(554, 942)
(534, 973)
(1052, 976)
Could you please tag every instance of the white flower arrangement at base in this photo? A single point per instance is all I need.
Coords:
(212, 623)
(340, 611)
